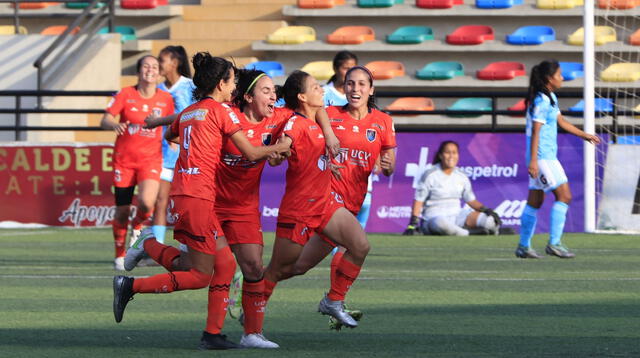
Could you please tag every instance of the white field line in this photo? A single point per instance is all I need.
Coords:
(27, 233)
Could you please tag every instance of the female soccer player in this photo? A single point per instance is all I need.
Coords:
(437, 200)
(545, 171)
(137, 156)
(201, 128)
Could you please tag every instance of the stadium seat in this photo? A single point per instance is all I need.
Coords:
(470, 35)
(384, 70)
(138, 4)
(518, 106)
(571, 70)
(351, 35)
(441, 70)
(438, 4)
(292, 35)
(34, 5)
(602, 105)
(618, 4)
(411, 104)
(558, 4)
(532, 35)
(634, 38)
(320, 70)
(410, 35)
(603, 34)
(501, 71)
(379, 3)
(470, 104)
(58, 30)
(319, 4)
(497, 4)
(10, 30)
(271, 68)
(81, 5)
(621, 72)
(127, 33)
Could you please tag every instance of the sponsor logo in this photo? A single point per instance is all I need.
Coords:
(172, 217)
(198, 115)
(189, 171)
(371, 135)
(336, 120)
(266, 138)
(320, 136)
(376, 125)
(134, 109)
(130, 100)
(342, 155)
(323, 162)
(157, 111)
(145, 108)
(270, 212)
(76, 213)
(313, 127)
(271, 126)
(133, 129)
(233, 117)
(356, 129)
(340, 127)
(510, 211)
(161, 104)
(289, 125)
(494, 171)
(393, 212)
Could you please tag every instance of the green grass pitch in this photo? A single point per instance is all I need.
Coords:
(422, 297)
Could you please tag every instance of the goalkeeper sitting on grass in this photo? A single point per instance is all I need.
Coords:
(436, 206)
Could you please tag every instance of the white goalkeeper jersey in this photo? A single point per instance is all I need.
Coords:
(441, 193)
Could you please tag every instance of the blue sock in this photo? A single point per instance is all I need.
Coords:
(158, 232)
(528, 225)
(558, 217)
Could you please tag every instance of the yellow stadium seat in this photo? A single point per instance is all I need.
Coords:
(10, 30)
(603, 34)
(321, 70)
(558, 4)
(637, 109)
(292, 35)
(621, 72)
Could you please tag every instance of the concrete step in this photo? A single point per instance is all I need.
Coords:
(245, 2)
(236, 48)
(224, 30)
(232, 12)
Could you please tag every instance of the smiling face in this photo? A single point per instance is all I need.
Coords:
(263, 98)
(449, 156)
(555, 81)
(358, 88)
(148, 71)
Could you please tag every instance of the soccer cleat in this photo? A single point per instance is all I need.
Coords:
(136, 251)
(235, 296)
(256, 340)
(336, 310)
(336, 325)
(118, 264)
(215, 341)
(122, 294)
(135, 234)
(525, 252)
(559, 251)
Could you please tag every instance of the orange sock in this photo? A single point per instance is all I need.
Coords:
(161, 253)
(141, 217)
(223, 272)
(346, 274)
(334, 264)
(269, 286)
(253, 305)
(119, 237)
(172, 281)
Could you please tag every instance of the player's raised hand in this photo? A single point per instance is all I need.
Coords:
(120, 128)
(591, 138)
(533, 169)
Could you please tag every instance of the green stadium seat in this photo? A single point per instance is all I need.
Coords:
(379, 3)
(81, 5)
(470, 104)
(441, 70)
(127, 33)
(410, 35)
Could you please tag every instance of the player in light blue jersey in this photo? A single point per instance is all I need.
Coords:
(545, 171)
(174, 66)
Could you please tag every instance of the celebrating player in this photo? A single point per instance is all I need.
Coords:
(437, 200)
(137, 158)
(201, 128)
(545, 171)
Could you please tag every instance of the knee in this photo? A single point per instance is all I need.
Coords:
(360, 249)
(121, 215)
(252, 269)
(145, 206)
(565, 197)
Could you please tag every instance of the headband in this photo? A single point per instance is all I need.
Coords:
(360, 68)
(254, 81)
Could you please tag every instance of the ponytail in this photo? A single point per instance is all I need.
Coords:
(538, 82)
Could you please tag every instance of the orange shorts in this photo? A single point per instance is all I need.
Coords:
(196, 223)
(127, 176)
(298, 230)
(335, 203)
(243, 230)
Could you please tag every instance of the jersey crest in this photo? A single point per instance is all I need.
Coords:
(266, 138)
(371, 135)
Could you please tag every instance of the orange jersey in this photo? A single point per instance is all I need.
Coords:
(308, 174)
(238, 179)
(201, 127)
(361, 143)
(138, 144)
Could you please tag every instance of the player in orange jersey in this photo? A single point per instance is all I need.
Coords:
(201, 128)
(137, 157)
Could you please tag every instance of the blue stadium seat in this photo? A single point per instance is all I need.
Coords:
(532, 35)
(497, 4)
(602, 105)
(271, 68)
(571, 70)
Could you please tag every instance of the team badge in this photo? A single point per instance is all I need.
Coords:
(266, 138)
(371, 135)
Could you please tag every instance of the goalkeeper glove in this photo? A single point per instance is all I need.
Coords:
(412, 228)
(493, 214)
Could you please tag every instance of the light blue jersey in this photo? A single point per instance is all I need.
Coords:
(332, 97)
(181, 91)
(546, 114)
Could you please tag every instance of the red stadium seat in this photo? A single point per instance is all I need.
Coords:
(351, 35)
(35, 5)
(518, 106)
(58, 30)
(411, 104)
(319, 4)
(470, 35)
(618, 4)
(502, 71)
(634, 38)
(138, 4)
(385, 70)
(438, 4)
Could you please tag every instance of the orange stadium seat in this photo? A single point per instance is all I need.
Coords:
(319, 4)
(384, 70)
(411, 104)
(501, 71)
(138, 4)
(438, 4)
(352, 35)
(58, 30)
(35, 5)
(634, 38)
(518, 106)
(470, 35)
(618, 4)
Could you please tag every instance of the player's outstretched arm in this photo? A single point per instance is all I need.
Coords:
(258, 153)
(109, 123)
(152, 121)
(171, 137)
(567, 126)
(332, 142)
